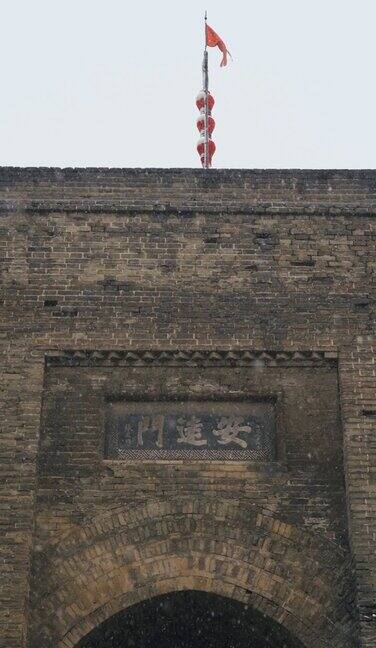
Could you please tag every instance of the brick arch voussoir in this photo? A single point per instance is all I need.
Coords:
(247, 549)
(248, 567)
(217, 535)
(242, 515)
(157, 508)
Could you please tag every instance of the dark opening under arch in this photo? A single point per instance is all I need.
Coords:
(189, 619)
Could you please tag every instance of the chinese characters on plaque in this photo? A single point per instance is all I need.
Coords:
(207, 430)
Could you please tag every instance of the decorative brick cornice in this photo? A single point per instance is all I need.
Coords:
(192, 358)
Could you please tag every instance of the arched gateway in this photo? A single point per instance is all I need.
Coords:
(127, 560)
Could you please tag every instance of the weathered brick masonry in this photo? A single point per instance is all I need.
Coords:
(182, 285)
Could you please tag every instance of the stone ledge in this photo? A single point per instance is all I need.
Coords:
(165, 209)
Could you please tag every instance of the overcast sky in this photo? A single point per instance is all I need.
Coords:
(113, 83)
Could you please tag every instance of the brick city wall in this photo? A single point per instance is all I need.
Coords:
(248, 280)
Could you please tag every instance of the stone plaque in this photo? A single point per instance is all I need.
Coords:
(191, 430)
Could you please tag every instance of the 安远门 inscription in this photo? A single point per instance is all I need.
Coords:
(204, 430)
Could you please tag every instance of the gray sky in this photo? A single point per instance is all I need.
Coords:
(113, 83)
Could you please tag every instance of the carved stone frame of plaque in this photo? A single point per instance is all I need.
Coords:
(191, 429)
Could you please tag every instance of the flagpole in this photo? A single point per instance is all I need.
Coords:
(205, 101)
(206, 90)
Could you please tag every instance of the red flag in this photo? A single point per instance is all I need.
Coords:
(213, 40)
